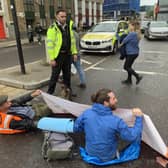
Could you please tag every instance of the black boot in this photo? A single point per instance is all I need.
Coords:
(127, 82)
(138, 79)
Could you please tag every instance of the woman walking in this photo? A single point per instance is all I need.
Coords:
(131, 42)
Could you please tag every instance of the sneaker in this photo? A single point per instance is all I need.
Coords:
(82, 85)
(73, 94)
(127, 82)
(139, 79)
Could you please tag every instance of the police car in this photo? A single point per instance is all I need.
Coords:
(103, 37)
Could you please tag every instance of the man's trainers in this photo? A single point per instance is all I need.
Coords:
(82, 85)
(139, 79)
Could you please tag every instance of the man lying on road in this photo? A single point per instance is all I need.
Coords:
(103, 129)
(15, 115)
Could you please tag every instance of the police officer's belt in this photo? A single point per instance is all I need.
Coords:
(63, 51)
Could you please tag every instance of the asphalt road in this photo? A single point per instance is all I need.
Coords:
(151, 95)
(31, 52)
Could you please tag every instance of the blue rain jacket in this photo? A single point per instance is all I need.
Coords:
(102, 128)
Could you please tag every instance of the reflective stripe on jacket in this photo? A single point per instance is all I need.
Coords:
(54, 41)
(5, 120)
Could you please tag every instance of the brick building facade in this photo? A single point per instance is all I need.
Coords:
(31, 12)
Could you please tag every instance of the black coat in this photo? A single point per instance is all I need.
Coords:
(22, 100)
(26, 123)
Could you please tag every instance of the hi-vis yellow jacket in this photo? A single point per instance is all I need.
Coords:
(54, 41)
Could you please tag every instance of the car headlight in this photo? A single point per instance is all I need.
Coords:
(82, 41)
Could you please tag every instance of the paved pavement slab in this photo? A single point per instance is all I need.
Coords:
(12, 92)
(37, 75)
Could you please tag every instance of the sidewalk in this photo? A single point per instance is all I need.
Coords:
(37, 75)
(13, 83)
(4, 43)
(11, 43)
(11, 91)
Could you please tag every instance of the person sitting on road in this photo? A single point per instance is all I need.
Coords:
(103, 129)
(15, 115)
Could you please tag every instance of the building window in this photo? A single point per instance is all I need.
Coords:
(29, 5)
(0, 5)
(123, 1)
(80, 4)
(59, 3)
(69, 4)
(42, 9)
(51, 9)
(42, 2)
(51, 2)
(29, 9)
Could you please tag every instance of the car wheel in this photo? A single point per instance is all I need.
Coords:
(115, 49)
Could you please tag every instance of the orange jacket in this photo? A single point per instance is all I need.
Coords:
(5, 120)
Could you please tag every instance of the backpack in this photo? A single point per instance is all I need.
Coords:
(57, 146)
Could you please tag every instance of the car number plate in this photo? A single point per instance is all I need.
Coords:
(92, 47)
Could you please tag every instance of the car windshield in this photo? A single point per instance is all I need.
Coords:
(159, 24)
(144, 23)
(104, 27)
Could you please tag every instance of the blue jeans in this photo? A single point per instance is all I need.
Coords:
(80, 71)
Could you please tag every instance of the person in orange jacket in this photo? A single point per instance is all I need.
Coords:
(15, 115)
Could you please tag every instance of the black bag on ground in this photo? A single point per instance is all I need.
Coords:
(57, 146)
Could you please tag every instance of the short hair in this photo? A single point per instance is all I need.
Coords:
(100, 96)
(60, 10)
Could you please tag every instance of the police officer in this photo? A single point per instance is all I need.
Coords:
(61, 48)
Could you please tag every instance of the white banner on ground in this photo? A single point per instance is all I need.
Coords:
(150, 135)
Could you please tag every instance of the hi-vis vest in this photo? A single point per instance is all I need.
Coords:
(54, 41)
(5, 120)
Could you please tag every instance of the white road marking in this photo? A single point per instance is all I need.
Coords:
(154, 52)
(121, 70)
(97, 63)
(85, 61)
(98, 68)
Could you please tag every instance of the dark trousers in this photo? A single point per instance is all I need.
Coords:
(129, 60)
(63, 63)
